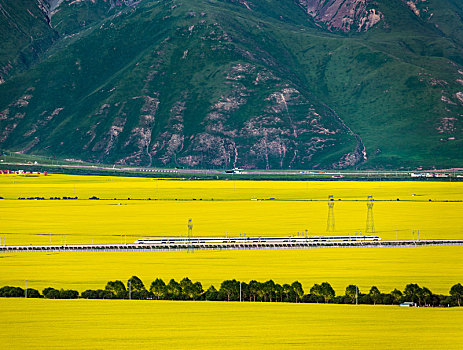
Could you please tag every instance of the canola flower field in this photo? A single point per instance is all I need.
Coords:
(255, 208)
(160, 208)
(297, 205)
(102, 324)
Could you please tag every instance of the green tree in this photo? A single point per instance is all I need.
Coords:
(196, 290)
(411, 292)
(296, 286)
(375, 294)
(158, 288)
(96, 294)
(136, 284)
(211, 293)
(261, 291)
(253, 288)
(279, 291)
(269, 289)
(396, 296)
(33, 293)
(174, 289)
(316, 290)
(51, 293)
(68, 294)
(187, 288)
(424, 296)
(457, 293)
(286, 290)
(351, 292)
(13, 292)
(117, 288)
(230, 288)
(244, 290)
(327, 291)
(89, 294)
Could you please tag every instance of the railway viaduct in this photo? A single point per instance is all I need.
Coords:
(188, 246)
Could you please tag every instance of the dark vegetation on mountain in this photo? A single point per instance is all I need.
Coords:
(221, 83)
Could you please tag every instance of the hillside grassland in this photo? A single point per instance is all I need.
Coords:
(437, 268)
(402, 75)
(198, 325)
(219, 208)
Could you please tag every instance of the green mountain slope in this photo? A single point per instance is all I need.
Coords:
(25, 34)
(260, 83)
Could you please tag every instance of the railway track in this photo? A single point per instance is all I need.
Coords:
(186, 246)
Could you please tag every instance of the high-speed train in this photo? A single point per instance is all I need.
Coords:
(255, 239)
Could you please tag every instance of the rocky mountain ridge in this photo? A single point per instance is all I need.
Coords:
(343, 15)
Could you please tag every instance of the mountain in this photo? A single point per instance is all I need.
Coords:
(265, 84)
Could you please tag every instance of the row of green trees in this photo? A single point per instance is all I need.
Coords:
(233, 290)
(50, 293)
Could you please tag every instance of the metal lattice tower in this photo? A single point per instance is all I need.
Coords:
(190, 234)
(370, 226)
(330, 221)
(190, 229)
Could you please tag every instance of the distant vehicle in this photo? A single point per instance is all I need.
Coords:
(429, 175)
(408, 304)
(234, 171)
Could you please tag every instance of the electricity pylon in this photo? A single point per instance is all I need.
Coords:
(330, 221)
(370, 226)
(190, 229)
(190, 234)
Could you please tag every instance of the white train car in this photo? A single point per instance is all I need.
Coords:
(216, 240)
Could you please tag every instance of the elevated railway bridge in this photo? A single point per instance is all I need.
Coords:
(224, 245)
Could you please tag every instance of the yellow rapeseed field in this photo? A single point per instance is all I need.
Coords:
(219, 208)
(123, 324)
(13, 187)
(162, 208)
(437, 268)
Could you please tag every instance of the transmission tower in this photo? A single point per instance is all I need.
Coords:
(190, 234)
(330, 221)
(370, 227)
(190, 229)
